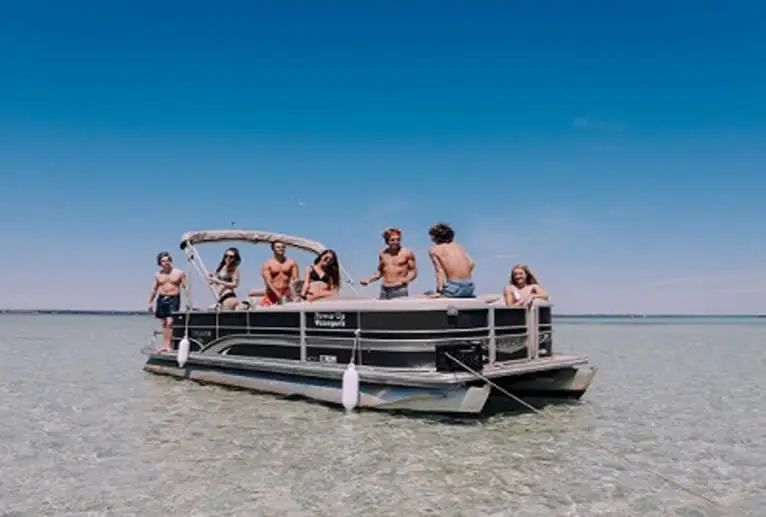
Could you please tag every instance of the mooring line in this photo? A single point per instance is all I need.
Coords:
(594, 444)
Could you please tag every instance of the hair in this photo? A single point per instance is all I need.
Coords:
(531, 279)
(275, 243)
(442, 233)
(391, 231)
(333, 270)
(233, 264)
(161, 255)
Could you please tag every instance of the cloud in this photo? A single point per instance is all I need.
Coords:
(594, 124)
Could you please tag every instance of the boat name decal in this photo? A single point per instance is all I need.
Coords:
(332, 320)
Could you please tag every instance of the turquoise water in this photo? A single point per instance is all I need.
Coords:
(86, 432)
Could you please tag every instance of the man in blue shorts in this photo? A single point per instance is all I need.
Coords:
(166, 287)
(452, 264)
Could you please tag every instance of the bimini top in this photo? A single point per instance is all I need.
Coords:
(251, 236)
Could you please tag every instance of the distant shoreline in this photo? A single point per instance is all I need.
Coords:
(77, 312)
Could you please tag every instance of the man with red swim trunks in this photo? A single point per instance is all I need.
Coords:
(279, 275)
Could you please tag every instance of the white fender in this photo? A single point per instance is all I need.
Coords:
(350, 387)
(183, 352)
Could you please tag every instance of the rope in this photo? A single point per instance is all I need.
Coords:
(592, 443)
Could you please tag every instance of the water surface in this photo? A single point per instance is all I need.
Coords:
(84, 431)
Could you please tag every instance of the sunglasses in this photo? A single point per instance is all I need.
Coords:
(229, 255)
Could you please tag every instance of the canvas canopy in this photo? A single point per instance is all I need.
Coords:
(251, 236)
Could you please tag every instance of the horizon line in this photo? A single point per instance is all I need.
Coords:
(136, 312)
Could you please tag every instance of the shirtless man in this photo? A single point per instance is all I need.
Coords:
(396, 265)
(279, 276)
(166, 287)
(452, 264)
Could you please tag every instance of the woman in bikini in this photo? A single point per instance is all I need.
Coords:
(322, 278)
(524, 288)
(227, 276)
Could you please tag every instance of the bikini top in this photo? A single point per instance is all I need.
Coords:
(314, 276)
(224, 277)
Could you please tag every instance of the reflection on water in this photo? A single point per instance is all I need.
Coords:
(86, 432)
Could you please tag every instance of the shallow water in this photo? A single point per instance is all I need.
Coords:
(84, 431)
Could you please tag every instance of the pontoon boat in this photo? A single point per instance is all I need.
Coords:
(417, 353)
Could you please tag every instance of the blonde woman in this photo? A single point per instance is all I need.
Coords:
(523, 288)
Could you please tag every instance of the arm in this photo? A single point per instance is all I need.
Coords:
(153, 290)
(306, 282)
(376, 276)
(438, 269)
(295, 276)
(508, 296)
(412, 268)
(540, 292)
(473, 264)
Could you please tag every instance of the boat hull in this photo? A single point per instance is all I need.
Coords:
(464, 398)
(458, 399)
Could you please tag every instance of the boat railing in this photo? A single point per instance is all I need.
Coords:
(535, 334)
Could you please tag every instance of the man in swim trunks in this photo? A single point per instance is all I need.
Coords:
(452, 264)
(166, 287)
(279, 276)
(396, 265)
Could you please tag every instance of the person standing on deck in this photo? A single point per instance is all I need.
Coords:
(166, 287)
(396, 265)
(280, 274)
(452, 264)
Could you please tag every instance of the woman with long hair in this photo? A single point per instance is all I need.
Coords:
(523, 288)
(322, 279)
(227, 277)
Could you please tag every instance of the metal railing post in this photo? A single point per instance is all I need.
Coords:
(532, 333)
(303, 336)
(492, 348)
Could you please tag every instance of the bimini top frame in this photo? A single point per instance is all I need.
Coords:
(189, 239)
(253, 237)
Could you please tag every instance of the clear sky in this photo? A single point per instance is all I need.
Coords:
(618, 148)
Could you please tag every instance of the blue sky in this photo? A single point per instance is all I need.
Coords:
(616, 147)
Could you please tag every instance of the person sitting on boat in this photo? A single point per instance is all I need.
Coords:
(452, 264)
(322, 279)
(396, 265)
(280, 274)
(523, 288)
(166, 287)
(227, 277)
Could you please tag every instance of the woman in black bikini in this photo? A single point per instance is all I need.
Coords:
(227, 276)
(322, 278)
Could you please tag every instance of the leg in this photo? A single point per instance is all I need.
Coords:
(229, 304)
(167, 330)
